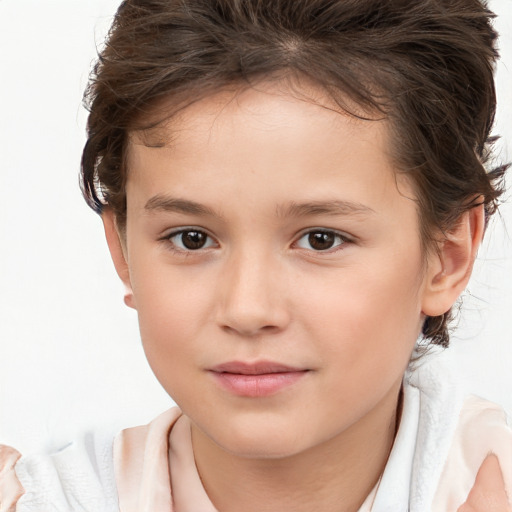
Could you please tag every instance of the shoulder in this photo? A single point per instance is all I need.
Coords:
(77, 477)
(480, 457)
(453, 435)
(142, 464)
(489, 491)
(98, 472)
(10, 487)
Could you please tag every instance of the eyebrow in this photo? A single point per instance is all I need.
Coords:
(335, 208)
(165, 203)
(162, 203)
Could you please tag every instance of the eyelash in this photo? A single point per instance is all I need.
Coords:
(340, 238)
(168, 239)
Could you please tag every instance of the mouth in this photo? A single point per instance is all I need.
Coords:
(259, 379)
(257, 368)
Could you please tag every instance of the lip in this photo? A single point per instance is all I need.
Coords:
(258, 379)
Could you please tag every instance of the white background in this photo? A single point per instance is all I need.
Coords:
(70, 354)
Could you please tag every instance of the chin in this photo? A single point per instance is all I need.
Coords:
(259, 440)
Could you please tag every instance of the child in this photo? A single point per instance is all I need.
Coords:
(292, 193)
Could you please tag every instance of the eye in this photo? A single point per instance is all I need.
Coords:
(190, 240)
(321, 240)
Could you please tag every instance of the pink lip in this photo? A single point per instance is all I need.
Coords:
(259, 379)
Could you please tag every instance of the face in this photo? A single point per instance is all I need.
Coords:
(276, 267)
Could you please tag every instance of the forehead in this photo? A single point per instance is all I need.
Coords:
(296, 141)
(263, 105)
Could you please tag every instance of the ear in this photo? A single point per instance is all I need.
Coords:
(118, 252)
(449, 269)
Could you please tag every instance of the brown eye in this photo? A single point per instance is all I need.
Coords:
(191, 240)
(321, 240)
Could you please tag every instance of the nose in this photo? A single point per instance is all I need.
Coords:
(252, 296)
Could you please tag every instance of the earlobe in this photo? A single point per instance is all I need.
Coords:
(118, 254)
(450, 267)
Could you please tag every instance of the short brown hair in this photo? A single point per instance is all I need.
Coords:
(427, 66)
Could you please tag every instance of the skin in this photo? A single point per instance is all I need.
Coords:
(488, 493)
(258, 290)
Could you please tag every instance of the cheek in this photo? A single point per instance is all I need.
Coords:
(169, 339)
(368, 313)
(172, 312)
(364, 326)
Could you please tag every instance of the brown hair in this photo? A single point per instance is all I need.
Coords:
(425, 65)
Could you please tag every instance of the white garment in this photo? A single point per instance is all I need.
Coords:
(442, 440)
(78, 478)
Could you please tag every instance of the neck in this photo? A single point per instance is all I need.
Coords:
(335, 476)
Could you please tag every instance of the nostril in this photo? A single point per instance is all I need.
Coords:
(270, 328)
